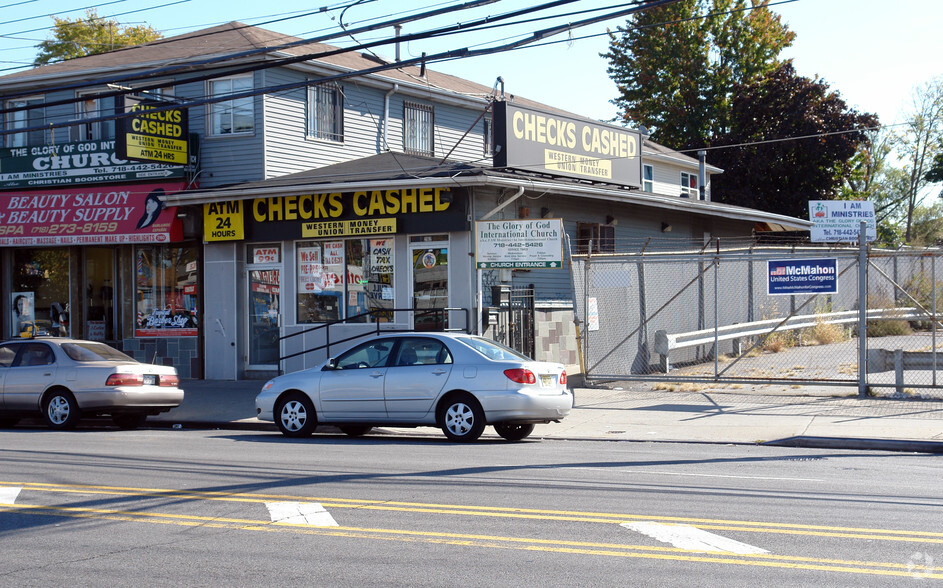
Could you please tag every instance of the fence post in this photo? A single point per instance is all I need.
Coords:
(862, 310)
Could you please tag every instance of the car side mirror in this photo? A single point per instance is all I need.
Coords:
(331, 364)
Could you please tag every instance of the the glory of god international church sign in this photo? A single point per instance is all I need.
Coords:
(560, 145)
(519, 244)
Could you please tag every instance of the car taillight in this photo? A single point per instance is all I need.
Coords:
(125, 380)
(521, 376)
(168, 380)
(563, 378)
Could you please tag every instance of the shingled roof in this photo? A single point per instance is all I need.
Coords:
(233, 38)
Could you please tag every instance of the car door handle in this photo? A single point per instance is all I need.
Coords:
(376, 375)
(440, 371)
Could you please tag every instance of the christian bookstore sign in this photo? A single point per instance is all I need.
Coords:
(91, 216)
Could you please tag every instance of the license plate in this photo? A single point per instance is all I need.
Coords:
(546, 381)
(150, 380)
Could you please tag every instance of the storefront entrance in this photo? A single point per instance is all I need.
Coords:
(430, 282)
(264, 306)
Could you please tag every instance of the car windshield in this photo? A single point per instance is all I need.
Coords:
(493, 350)
(82, 351)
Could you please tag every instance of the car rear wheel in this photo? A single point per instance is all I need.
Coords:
(462, 418)
(294, 415)
(513, 432)
(355, 430)
(61, 411)
(128, 421)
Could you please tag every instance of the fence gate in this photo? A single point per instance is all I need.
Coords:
(711, 316)
(515, 317)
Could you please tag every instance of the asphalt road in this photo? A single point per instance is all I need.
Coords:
(238, 508)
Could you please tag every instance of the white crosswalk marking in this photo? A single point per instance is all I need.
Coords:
(300, 513)
(692, 538)
(8, 494)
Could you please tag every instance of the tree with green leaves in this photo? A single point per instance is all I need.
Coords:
(919, 142)
(89, 36)
(791, 140)
(676, 64)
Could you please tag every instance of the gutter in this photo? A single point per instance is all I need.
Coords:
(695, 207)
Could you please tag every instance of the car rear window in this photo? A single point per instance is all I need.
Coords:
(94, 352)
(493, 350)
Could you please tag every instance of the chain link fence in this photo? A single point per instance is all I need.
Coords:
(674, 314)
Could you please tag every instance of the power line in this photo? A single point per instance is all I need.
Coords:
(256, 66)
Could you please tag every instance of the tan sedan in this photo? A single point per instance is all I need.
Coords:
(64, 379)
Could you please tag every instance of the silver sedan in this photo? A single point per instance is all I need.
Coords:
(63, 379)
(459, 383)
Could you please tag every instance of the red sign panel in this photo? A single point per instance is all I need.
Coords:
(133, 213)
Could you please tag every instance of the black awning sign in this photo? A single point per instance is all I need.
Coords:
(152, 134)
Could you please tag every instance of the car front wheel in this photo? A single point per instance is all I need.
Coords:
(514, 432)
(294, 415)
(61, 411)
(462, 418)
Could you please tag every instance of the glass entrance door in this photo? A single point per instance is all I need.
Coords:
(430, 285)
(264, 304)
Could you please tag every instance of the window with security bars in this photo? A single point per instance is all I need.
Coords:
(326, 112)
(601, 237)
(417, 129)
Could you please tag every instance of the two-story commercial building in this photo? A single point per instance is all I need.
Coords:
(296, 186)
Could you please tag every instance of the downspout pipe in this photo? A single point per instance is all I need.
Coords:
(386, 116)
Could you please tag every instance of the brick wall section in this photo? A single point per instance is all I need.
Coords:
(180, 352)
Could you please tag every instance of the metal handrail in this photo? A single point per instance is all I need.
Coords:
(348, 320)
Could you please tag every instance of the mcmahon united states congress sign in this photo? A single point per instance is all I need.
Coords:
(802, 276)
(559, 145)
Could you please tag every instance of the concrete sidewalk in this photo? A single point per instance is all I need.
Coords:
(809, 417)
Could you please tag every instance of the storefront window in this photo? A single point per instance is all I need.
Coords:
(338, 279)
(166, 293)
(40, 295)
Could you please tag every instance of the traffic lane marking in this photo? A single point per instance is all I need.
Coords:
(691, 538)
(501, 512)
(300, 513)
(497, 542)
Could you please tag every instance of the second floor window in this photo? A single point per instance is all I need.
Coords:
(689, 185)
(326, 112)
(648, 178)
(231, 117)
(602, 238)
(89, 107)
(22, 119)
(417, 129)
(488, 136)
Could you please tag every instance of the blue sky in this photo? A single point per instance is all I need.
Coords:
(873, 52)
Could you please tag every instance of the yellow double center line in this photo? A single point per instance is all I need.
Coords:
(496, 542)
